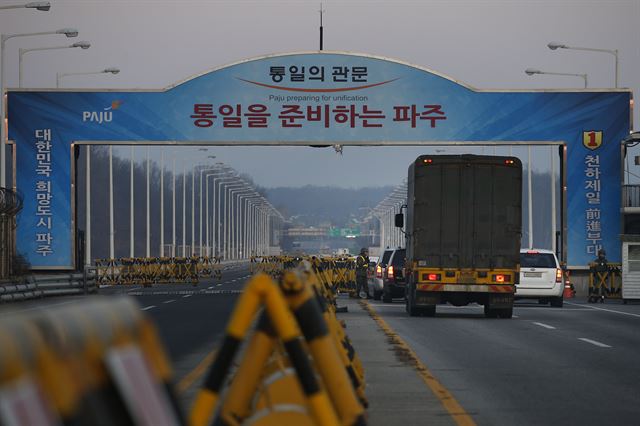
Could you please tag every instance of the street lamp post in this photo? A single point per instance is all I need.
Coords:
(148, 248)
(184, 210)
(233, 212)
(554, 45)
(218, 174)
(60, 75)
(203, 169)
(228, 217)
(81, 44)
(87, 218)
(246, 241)
(240, 230)
(173, 215)
(162, 203)
(69, 32)
(111, 230)
(219, 214)
(532, 71)
(132, 209)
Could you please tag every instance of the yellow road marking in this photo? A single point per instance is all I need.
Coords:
(187, 381)
(447, 400)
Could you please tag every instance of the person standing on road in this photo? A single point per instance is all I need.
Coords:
(362, 266)
(600, 271)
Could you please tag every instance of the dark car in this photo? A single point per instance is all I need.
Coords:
(393, 281)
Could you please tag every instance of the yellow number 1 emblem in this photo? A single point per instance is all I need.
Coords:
(592, 139)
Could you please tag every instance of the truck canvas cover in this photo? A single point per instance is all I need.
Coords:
(464, 211)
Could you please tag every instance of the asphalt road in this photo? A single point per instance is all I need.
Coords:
(191, 319)
(576, 365)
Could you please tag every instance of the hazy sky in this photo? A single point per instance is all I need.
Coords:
(486, 44)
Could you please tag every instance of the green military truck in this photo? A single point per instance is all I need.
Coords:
(463, 231)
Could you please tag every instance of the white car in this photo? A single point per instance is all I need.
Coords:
(540, 277)
(375, 280)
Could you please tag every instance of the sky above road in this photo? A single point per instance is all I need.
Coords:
(486, 44)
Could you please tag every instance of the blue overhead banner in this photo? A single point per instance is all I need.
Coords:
(316, 98)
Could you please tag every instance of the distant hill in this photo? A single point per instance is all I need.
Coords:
(317, 205)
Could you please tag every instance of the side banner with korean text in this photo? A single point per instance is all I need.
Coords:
(317, 98)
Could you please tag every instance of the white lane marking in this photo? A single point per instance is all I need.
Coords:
(606, 310)
(187, 295)
(515, 316)
(218, 285)
(593, 342)
(148, 307)
(209, 288)
(550, 327)
(169, 301)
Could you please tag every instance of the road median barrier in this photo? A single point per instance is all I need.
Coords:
(295, 368)
(149, 271)
(340, 270)
(95, 362)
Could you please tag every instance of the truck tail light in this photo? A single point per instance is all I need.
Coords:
(378, 271)
(501, 278)
(433, 277)
(390, 271)
(558, 275)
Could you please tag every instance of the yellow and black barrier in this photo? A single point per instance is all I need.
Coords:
(341, 270)
(282, 379)
(605, 282)
(147, 271)
(97, 362)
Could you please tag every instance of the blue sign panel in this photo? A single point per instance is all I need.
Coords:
(316, 98)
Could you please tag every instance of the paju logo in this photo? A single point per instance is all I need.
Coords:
(104, 116)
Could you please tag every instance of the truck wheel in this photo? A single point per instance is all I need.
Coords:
(505, 313)
(556, 302)
(490, 313)
(411, 309)
(377, 295)
(429, 311)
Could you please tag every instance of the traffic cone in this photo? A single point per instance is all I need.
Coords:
(569, 291)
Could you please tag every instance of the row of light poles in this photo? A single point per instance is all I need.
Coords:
(555, 46)
(67, 32)
(384, 211)
(236, 219)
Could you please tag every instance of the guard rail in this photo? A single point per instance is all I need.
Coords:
(44, 285)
